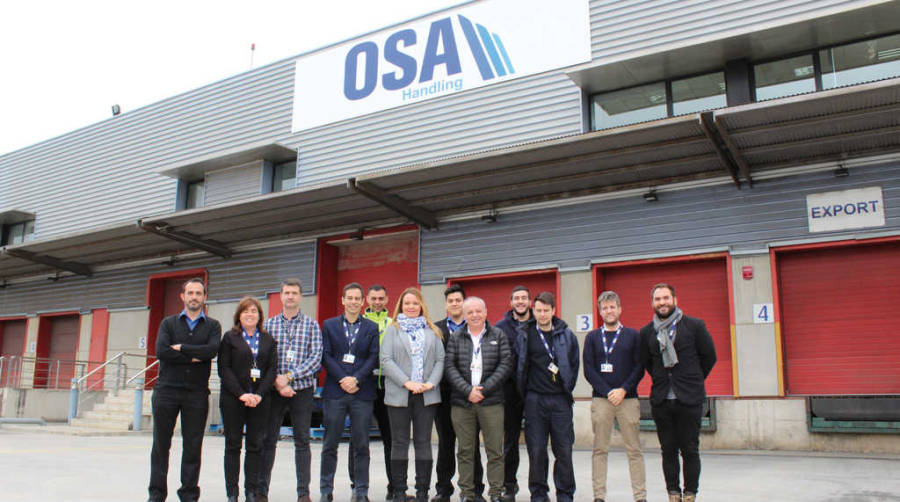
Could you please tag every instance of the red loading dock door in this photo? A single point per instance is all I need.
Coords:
(495, 289)
(12, 345)
(701, 287)
(56, 346)
(838, 309)
(387, 259)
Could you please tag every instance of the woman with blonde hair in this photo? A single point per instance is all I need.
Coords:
(412, 359)
(247, 365)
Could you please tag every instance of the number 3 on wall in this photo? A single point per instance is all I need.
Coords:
(584, 322)
(762, 313)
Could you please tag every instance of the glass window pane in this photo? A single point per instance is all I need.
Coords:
(16, 234)
(285, 176)
(629, 106)
(696, 94)
(860, 62)
(784, 78)
(195, 195)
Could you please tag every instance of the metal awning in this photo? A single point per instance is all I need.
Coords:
(196, 167)
(739, 142)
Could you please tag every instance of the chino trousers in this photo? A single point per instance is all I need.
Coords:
(445, 466)
(628, 415)
(467, 421)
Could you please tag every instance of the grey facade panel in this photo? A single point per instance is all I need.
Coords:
(229, 185)
(700, 218)
(248, 273)
(621, 27)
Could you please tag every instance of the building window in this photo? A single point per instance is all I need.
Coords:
(697, 94)
(785, 77)
(629, 106)
(195, 194)
(860, 62)
(17, 233)
(285, 176)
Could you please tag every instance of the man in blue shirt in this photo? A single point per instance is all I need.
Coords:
(613, 368)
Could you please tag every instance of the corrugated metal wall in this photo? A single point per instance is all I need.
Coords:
(229, 185)
(248, 273)
(572, 236)
(620, 27)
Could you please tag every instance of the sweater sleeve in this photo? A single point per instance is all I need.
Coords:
(706, 351)
(637, 369)
(209, 349)
(229, 379)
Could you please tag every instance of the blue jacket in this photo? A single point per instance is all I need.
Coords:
(625, 358)
(365, 348)
(565, 347)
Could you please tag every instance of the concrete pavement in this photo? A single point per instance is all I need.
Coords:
(37, 466)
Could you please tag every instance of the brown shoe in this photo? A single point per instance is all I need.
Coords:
(674, 497)
(689, 497)
(304, 498)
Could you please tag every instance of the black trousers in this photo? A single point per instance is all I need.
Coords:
(513, 408)
(446, 457)
(193, 405)
(421, 418)
(380, 412)
(300, 408)
(235, 416)
(678, 430)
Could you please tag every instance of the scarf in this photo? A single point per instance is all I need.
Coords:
(666, 344)
(411, 325)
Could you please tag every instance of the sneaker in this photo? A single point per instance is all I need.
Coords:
(675, 497)
(689, 497)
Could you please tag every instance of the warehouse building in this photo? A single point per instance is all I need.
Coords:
(747, 152)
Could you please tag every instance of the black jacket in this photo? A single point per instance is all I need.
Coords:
(235, 361)
(696, 358)
(446, 388)
(511, 327)
(175, 367)
(496, 363)
(565, 347)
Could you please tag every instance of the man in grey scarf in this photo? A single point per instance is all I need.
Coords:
(678, 352)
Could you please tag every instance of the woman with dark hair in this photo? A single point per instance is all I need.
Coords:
(247, 365)
(412, 359)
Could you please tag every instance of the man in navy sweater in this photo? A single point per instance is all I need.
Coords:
(349, 354)
(612, 366)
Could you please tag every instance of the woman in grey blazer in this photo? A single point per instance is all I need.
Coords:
(412, 359)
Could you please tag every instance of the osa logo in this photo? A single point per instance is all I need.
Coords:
(441, 48)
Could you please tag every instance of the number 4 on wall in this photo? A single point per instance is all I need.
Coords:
(762, 313)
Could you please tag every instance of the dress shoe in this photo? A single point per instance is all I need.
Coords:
(479, 498)
(262, 498)
(495, 498)
(440, 498)
(674, 496)
(689, 497)
(600, 500)
(250, 497)
(326, 497)
(231, 498)
(359, 498)
(509, 497)
(641, 500)
(304, 498)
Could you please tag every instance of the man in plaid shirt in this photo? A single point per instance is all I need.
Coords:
(299, 359)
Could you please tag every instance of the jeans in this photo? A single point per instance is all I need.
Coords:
(549, 417)
(234, 417)
(379, 411)
(193, 405)
(300, 408)
(678, 430)
(334, 412)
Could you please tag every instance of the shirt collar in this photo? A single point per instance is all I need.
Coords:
(358, 319)
(295, 318)
(184, 314)
(453, 326)
(483, 331)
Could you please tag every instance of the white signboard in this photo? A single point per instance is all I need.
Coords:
(846, 209)
(762, 313)
(584, 322)
(477, 45)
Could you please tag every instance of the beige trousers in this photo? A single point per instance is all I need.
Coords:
(628, 414)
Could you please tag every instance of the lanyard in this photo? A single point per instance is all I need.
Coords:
(291, 330)
(546, 345)
(672, 330)
(477, 350)
(609, 350)
(351, 335)
(253, 342)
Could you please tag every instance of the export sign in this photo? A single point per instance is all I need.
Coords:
(846, 209)
(474, 46)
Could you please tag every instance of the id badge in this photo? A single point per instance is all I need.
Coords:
(553, 368)
(606, 368)
(290, 356)
(349, 358)
(255, 373)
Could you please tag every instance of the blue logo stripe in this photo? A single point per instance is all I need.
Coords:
(503, 53)
(475, 45)
(491, 50)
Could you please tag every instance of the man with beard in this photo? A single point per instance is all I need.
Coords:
(515, 318)
(678, 352)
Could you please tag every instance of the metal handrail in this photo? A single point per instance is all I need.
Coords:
(98, 368)
(140, 373)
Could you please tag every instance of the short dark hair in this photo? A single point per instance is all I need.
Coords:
(546, 298)
(376, 287)
(193, 280)
(454, 288)
(519, 288)
(291, 281)
(245, 303)
(352, 285)
(666, 285)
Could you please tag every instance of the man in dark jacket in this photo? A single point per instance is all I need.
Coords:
(477, 361)
(547, 370)
(678, 352)
(445, 467)
(185, 345)
(349, 354)
(519, 313)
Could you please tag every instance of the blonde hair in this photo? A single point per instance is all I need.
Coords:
(418, 294)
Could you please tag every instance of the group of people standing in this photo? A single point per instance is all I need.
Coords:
(469, 379)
